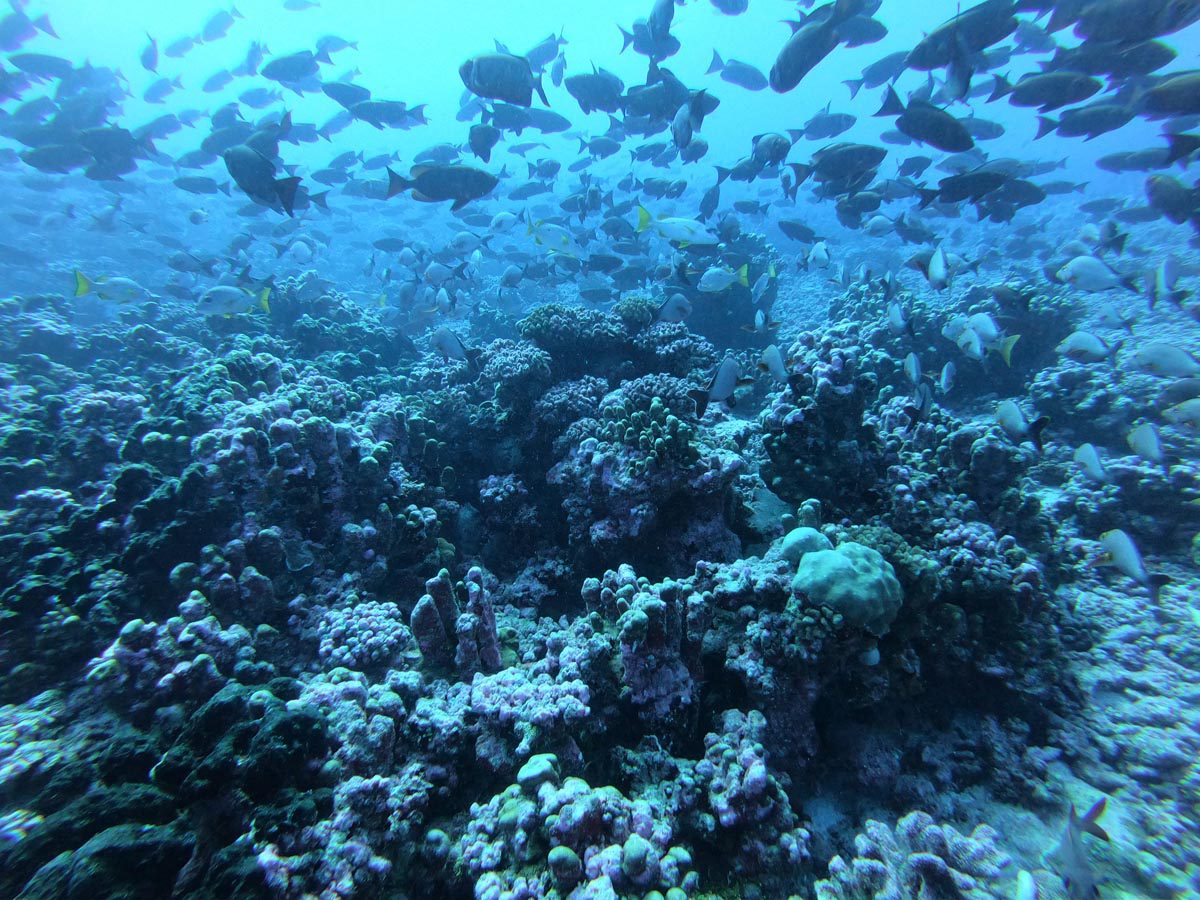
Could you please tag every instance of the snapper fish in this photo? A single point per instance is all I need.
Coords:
(717, 279)
(118, 289)
(672, 228)
(231, 300)
(978, 335)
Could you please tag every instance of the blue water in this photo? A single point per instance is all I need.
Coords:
(562, 535)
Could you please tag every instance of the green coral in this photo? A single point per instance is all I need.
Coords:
(854, 581)
(572, 330)
(636, 311)
(661, 437)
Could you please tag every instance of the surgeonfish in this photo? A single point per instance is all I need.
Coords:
(1070, 857)
(1016, 426)
(1122, 552)
(1088, 459)
(725, 381)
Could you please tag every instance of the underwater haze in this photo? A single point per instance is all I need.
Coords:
(600, 451)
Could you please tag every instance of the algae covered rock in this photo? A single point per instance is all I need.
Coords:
(854, 581)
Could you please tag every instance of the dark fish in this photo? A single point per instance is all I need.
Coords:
(858, 31)
(149, 57)
(295, 67)
(481, 139)
(927, 123)
(914, 166)
(737, 72)
(598, 90)
(180, 48)
(1085, 121)
(797, 231)
(432, 184)
(1134, 20)
(1047, 91)
(345, 94)
(826, 124)
(1115, 59)
(547, 121)
(502, 76)
(218, 24)
(254, 173)
(646, 43)
(1135, 160)
(810, 43)
(200, 184)
(972, 31)
(879, 72)
(1175, 95)
(1172, 198)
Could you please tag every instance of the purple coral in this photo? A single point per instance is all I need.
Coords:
(920, 859)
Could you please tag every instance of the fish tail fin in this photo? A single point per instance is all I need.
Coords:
(744, 275)
(1116, 348)
(722, 173)
(320, 199)
(1129, 282)
(1036, 427)
(1089, 822)
(1006, 348)
(322, 56)
(801, 171)
(285, 190)
(1181, 146)
(914, 416)
(626, 38)
(1000, 88)
(643, 219)
(1157, 583)
(855, 85)
(474, 354)
(1177, 297)
(891, 104)
(541, 91)
(264, 299)
(396, 183)
(42, 24)
(1045, 126)
(82, 284)
(716, 65)
(927, 195)
(696, 110)
(700, 397)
